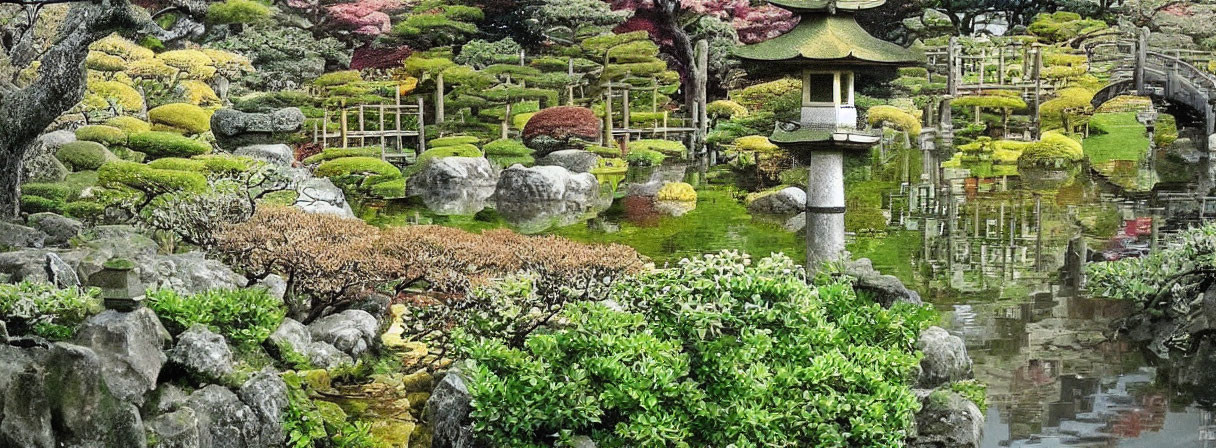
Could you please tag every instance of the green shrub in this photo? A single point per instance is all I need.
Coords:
(237, 11)
(80, 156)
(186, 117)
(106, 135)
(725, 109)
(246, 317)
(896, 117)
(42, 309)
(644, 157)
(506, 147)
(38, 204)
(218, 165)
(717, 351)
(130, 125)
(755, 143)
(363, 172)
(919, 72)
(148, 180)
(504, 161)
(338, 153)
(667, 147)
(972, 390)
(167, 144)
(453, 141)
(84, 210)
(58, 191)
(337, 78)
(1052, 150)
(392, 189)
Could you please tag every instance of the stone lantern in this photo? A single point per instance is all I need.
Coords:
(121, 289)
(826, 50)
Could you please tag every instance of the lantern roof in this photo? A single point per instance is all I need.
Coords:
(802, 137)
(829, 40)
(803, 6)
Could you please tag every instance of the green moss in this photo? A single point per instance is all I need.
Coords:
(1120, 137)
(137, 176)
(972, 390)
(361, 171)
(39, 204)
(453, 141)
(503, 161)
(237, 11)
(282, 197)
(666, 147)
(337, 78)
(56, 191)
(506, 147)
(84, 155)
(130, 125)
(106, 135)
(187, 117)
(338, 153)
(167, 144)
(393, 189)
(644, 157)
(84, 210)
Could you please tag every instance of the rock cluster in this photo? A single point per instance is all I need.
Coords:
(235, 129)
(330, 341)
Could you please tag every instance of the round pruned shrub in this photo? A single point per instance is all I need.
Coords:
(184, 117)
(148, 180)
(158, 144)
(561, 127)
(237, 11)
(56, 191)
(676, 191)
(506, 147)
(85, 210)
(1053, 150)
(757, 143)
(129, 125)
(83, 155)
(894, 116)
(644, 157)
(725, 109)
(38, 204)
(106, 135)
(453, 141)
(358, 172)
(669, 148)
(338, 153)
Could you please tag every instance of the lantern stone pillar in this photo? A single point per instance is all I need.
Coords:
(825, 207)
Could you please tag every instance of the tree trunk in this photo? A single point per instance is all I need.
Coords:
(60, 82)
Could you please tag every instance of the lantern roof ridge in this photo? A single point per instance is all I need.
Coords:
(801, 6)
(830, 39)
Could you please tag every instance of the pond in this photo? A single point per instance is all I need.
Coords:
(986, 252)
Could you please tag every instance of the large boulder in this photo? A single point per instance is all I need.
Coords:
(83, 409)
(294, 336)
(947, 420)
(275, 153)
(40, 164)
(60, 273)
(787, 201)
(191, 272)
(17, 235)
(177, 429)
(454, 185)
(129, 345)
(233, 128)
(520, 185)
(266, 394)
(351, 331)
(574, 160)
(203, 353)
(885, 289)
(448, 410)
(945, 358)
(320, 195)
(27, 411)
(59, 229)
(223, 419)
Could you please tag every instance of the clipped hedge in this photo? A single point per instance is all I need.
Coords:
(666, 147)
(895, 116)
(1052, 150)
(393, 189)
(453, 141)
(130, 125)
(754, 143)
(338, 153)
(372, 169)
(106, 135)
(83, 155)
(644, 157)
(506, 147)
(184, 116)
(725, 109)
(84, 210)
(151, 181)
(676, 191)
(38, 204)
(158, 144)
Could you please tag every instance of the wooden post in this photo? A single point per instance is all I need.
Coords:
(325, 129)
(1000, 76)
(380, 128)
(397, 118)
(983, 65)
(506, 121)
(421, 126)
(628, 124)
(439, 98)
(1038, 91)
(608, 114)
(362, 128)
(345, 128)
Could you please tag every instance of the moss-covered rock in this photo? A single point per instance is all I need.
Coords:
(106, 135)
(78, 156)
(167, 144)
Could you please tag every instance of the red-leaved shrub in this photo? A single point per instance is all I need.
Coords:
(559, 125)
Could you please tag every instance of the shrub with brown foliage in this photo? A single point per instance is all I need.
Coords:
(326, 259)
(557, 126)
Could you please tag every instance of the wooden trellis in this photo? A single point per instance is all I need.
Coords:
(392, 128)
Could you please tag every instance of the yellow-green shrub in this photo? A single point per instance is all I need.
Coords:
(754, 143)
(193, 63)
(676, 191)
(758, 96)
(896, 117)
(1053, 149)
(103, 62)
(198, 93)
(80, 156)
(666, 147)
(129, 125)
(725, 109)
(375, 169)
(167, 144)
(152, 181)
(106, 135)
(101, 93)
(118, 46)
(187, 117)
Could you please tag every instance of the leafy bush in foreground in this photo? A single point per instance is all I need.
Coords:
(246, 317)
(1177, 271)
(44, 310)
(718, 351)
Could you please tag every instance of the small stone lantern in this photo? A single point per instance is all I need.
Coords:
(120, 286)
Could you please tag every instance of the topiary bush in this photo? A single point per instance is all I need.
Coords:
(393, 189)
(184, 117)
(41, 309)
(453, 141)
(158, 144)
(754, 143)
(676, 191)
(246, 317)
(644, 157)
(129, 125)
(338, 153)
(725, 109)
(894, 116)
(106, 135)
(716, 351)
(147, 180)
(558, 128)
(237, 11)
(83, 155)
(359, 173)
(667, 147)
(88, 211)
(1053, 150)
(506, 147)
(37, 204)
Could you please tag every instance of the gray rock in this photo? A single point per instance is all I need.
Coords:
(165, 399)
(26, 264)
(233, 128)
(278, 153)
(17, 235)
(295, 336)
(54, 140)
(83, 409)
(202, 352)
(947, 420)
(3, 335)
(27, 411)
(351, 331)
(320, 195)
(177, 429)
(266, 393)
(885, 289)
(59, 229)
(275, 285)
(519, 185)
(796, 223)
(574, 160)
(223, 419)
(788, 201)
(582, 442)
(60, 273)
(375, 304)
(945, 358)
(454, 185)
(129, 345)
(39, 163)
(448, 411)
(191, 272)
